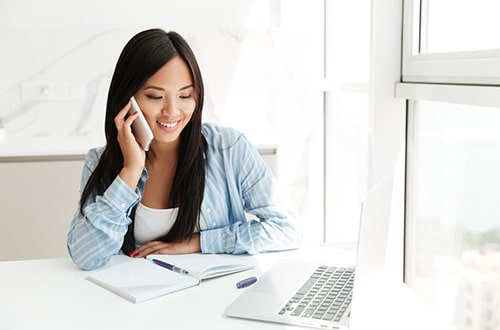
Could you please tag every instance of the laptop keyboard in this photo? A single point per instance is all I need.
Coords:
(325, 295)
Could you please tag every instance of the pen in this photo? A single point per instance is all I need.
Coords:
(246, 282)
(169, 266)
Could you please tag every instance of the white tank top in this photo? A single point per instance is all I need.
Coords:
(151, 224)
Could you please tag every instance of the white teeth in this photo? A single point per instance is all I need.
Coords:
(171, 125)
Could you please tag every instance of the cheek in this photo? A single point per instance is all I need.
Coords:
(150, 118)
(150, 110)
(188, 109)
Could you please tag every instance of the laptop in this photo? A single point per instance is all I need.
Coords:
(299, 293)
(311, 294)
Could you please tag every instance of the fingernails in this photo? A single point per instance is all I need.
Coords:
(133, 254)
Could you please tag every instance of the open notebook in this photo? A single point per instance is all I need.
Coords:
(141, 279)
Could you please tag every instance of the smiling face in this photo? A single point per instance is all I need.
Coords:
(168, 100)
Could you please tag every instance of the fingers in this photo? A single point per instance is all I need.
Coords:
(157, 247)
(134, 156)
(126, 139)
(122, 120)
(153, 247)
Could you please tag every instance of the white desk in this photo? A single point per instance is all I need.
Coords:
(53, 294)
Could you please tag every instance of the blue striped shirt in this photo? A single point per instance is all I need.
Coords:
(237, 182)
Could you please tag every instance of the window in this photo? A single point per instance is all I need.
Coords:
(454, 223)
(466, 28)
(451, 79)
(448, 41)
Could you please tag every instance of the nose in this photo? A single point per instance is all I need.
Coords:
(170, 106)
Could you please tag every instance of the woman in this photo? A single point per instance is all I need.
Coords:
(190, 192)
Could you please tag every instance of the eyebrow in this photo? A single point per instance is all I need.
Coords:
(162, 89)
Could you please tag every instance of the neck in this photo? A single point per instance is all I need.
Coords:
(166, 153)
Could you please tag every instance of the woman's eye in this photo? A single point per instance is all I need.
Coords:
(185, 96)
(154, 97)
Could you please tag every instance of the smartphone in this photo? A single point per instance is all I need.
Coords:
(140, 126)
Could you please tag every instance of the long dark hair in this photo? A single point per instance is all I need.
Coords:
(141, 57)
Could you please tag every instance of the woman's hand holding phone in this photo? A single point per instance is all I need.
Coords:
(134, 156)
(140, 126)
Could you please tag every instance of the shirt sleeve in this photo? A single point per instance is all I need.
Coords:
(94, 237)
(273, 225)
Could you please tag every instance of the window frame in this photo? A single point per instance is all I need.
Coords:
(466, 67)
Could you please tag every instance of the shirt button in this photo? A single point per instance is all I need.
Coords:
(209, 210)
(123, 205)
